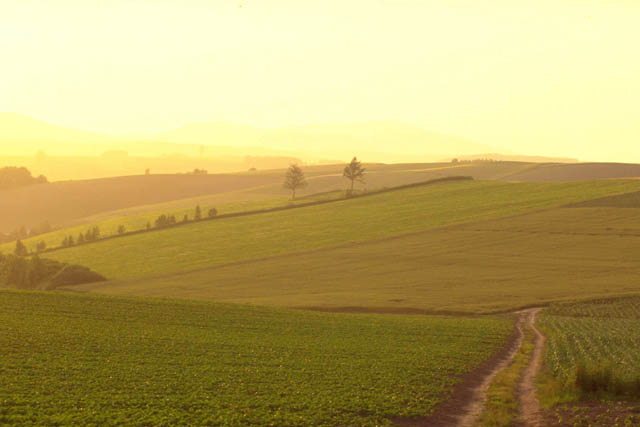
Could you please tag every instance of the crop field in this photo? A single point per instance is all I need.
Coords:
(135, 220)
(72, 359)
(479, 267)
(68, 203)
(385, 215)
(73, 203)
(593, 346)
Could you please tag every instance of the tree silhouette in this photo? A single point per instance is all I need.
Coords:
(198, 214)
(21, 249)
(354, 172)
(294, 179)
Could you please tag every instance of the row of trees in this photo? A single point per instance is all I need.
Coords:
(168, 220)
(23, 273)
(25, 233)
(37, 273)
(12, 177)
(91, 235)
(294, 178)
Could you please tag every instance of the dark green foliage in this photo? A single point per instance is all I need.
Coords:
(185, 218)
(39, 273)
(71, 241)
(12, 177)
(21, 249)
(81, 238)
(294, 179)
(74, 275)
(92, 234)
(213, 212)
(354, 172)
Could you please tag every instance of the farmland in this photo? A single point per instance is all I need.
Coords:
(593, 346)
(380, 216)
(592, 360)
(70, 203)
(79, 360)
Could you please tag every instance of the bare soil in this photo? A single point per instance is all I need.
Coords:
(529, 404)
(467, 403)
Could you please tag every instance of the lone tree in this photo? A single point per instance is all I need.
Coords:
(198, 214)
(294, 179)
(213, 212)
(354, 172)
(121, 229)
(21, 249)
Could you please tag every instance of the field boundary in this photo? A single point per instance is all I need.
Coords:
(264, 211)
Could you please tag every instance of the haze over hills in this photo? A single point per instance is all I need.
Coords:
(378, 141)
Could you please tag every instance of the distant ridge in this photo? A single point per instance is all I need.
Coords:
(379, 141)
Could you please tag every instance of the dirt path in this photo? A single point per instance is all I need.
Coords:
(467, 403)
(470, 414)
(529, 404)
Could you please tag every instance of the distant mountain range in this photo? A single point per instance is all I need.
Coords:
(373, 141)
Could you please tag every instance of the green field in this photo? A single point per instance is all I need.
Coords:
(593, 346)
(71, 359)
(71, 203)
(591, 375)
(383, 215)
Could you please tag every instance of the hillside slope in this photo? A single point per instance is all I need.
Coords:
(68, 202)
(495, 265)
(91, 360)
(227, 240)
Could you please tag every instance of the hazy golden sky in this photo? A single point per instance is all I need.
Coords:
(554, 77)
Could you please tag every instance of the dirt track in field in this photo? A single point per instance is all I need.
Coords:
(530, 414)
(467, 403)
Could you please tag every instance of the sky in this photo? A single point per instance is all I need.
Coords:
(543, 77)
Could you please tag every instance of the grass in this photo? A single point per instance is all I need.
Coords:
(73, 203)
(479, 267)
(384, 215)
(501, 408)
(593, 347)
(71, 359)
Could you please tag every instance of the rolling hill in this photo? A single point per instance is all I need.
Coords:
(70, 203)
(286, 258)
(95, 360)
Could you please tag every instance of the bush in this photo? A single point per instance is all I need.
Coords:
(213, 212)
(74, 275)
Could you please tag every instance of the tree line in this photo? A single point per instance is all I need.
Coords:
(294, 178)
(12, 177)
(24, 233)
(39, 273)
(93, 233)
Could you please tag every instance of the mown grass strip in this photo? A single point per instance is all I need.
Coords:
(501, 408)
